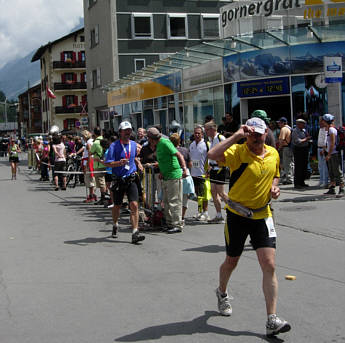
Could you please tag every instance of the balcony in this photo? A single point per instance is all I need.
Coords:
(69, 109)
(62, 86)
(69, 65)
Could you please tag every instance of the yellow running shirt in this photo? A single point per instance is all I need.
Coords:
(253, 187)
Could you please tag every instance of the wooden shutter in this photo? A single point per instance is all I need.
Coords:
(62, 56)
(73, 56)
(84, 99)
(74, 77)
(65, 124)
(82, 77)
(75, 100)
(64, 101)
(79, 56)
(63, 78)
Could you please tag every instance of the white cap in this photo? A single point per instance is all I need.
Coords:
(258, 124)
(125, 125)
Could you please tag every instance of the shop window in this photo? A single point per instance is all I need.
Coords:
(139, 63)
(177, 26)
(209, 26)
(94, 36)
(142, 26)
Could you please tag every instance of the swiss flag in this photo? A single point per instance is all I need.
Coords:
(50, 93)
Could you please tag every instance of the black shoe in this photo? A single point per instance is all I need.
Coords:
(174, 230)
(298, 187)
(341, 191)
(330, 191)
(63, 188)
(114, 233)
(305, 185)
(100, 202)
(56, 188)
(137, 237)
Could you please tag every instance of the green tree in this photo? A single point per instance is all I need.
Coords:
(2, 96)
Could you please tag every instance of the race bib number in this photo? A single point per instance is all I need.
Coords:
(127, 167)
(270, 227)
(196, 164)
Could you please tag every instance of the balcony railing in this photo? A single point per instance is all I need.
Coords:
(69, 109)
(69, 85)
(67, 65)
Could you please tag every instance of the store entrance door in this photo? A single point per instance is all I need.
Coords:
(275, 107)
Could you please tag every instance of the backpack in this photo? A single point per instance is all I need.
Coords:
(340, 144)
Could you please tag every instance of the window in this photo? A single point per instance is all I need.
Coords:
(82, 39)
(210, 26)
(68, 56)
(94, 37)
(68, 78)
(96, 78)
(139, 63)
(142, 26)
(81, 56)
(69, 124)
(69, 100)
(91, 3)
(177, 26)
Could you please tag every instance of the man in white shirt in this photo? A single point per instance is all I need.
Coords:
(285, 151)
(217, 174)
(198, 154)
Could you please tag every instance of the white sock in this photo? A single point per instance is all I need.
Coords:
(219, 214)
(134, 231)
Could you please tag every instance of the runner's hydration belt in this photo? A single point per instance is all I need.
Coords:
(244, 211)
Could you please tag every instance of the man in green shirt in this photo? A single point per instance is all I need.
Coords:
(97, 153)
(172, 168)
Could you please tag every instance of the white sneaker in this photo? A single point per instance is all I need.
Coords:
(204, 218)
(224, 306)
(276, 325)
(217, 220)
(198, 215)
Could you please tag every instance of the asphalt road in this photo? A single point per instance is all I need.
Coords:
(64, 279)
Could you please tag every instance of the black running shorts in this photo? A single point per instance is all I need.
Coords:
(218, 176)
(131, 189)
(199, 185)
(237, 229)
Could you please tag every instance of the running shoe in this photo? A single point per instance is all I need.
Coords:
(341, 191)
(114, 232)
(174, 230)
(224, 306)
(137, 237)
(276, 325)
(217, 220)
(203, 218)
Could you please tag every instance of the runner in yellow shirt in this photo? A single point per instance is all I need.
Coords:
(253, 182)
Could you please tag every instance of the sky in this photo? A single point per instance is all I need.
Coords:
(25, 25)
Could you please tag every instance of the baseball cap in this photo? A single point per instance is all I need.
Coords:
(125, 125)
(261, 114)
(45, 142)
(283, 120)
(258, 124)
(328, 117)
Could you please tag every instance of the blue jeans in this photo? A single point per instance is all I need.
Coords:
(323, 170)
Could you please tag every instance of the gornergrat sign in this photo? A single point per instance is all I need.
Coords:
(265, 8)
(259, 8)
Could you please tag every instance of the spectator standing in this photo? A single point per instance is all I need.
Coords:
(217, 173)
(99, 168)
(332, 156)
(87, 162)
(59, 163)
(321, 152)
(300, 141)
(170, 162)
(45, 161)
(141, 136)
(187, 182)
(285, 151)
(254, 170)
(198, 154)
(121, 156)
(229, 125)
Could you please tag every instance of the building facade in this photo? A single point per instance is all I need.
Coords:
(30, 111)
(273, 63)
(123, 37)
(63, 82)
